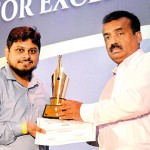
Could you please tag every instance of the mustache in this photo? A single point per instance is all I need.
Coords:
(25, 60)
(115, 45)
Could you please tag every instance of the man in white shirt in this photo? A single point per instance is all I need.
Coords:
(122, 114)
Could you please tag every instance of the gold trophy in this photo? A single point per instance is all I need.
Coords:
(59, 86)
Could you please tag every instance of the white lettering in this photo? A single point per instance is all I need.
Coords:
(9, 8)
(27, 8)
(93, 1)
(63, 4)
(74, 3)
(3, 10)
(43, 5)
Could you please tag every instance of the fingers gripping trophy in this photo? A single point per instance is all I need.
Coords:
(59, 86)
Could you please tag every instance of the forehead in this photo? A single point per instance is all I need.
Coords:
(122, 23)
(25, 44)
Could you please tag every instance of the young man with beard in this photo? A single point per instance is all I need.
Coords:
(122, 114)
(22, 95)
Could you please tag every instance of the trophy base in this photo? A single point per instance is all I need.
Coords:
(49, 111)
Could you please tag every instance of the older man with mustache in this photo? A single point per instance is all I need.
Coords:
(122, 114)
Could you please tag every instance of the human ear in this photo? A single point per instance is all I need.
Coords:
(138, 36)
(6, 51)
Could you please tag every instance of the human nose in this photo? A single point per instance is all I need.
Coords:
(26, 55)
(114, 39)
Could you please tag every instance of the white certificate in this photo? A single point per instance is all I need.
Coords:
(60, 132)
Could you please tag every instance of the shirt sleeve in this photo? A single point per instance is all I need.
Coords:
(87, 112)
(132, 102)
(9, 132)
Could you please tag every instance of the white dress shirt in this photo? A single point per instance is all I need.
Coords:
(123, 111)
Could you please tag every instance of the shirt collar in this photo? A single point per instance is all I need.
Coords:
(131, 57)
(9, 75)
(128, 60)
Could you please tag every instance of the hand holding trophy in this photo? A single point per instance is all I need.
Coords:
(59, 86)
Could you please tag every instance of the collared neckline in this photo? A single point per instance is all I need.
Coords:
(127, 61)
(9, 75)
(131, 57)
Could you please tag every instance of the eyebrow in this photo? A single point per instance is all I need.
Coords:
(25, 47)
(19, 46)
(117, 29)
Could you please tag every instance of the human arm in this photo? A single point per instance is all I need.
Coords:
(16, 111)
(11, 130)
(131, 102)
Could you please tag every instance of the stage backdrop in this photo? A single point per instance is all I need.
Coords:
(72, 28)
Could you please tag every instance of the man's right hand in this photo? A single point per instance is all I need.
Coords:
(70, 109)
(33, 128)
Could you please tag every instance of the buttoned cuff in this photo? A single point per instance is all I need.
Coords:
(17, 128)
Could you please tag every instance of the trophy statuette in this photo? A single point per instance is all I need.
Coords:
(59, 86)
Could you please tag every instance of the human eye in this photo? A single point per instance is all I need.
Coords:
(19, 50)
(120, 33)
(33, 51)
(106, 37)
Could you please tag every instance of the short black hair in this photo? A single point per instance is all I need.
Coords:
(135, 23)
(23, 33)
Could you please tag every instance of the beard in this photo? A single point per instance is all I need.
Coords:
(22, 73)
